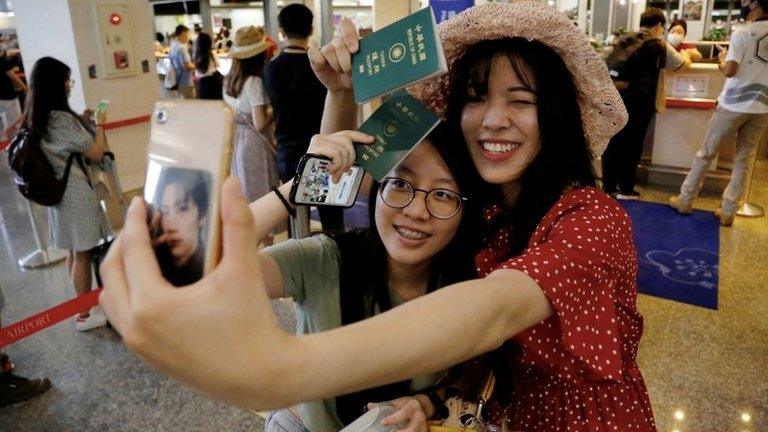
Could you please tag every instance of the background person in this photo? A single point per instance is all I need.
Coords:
(209, 79)
(638, 86)
(678, 29)
(223, 41)
(558, 269)
(10, 107)
(14, 388)
(253, 158)
(297, 98)
(742, 108)
(77, 223)
(181, 62)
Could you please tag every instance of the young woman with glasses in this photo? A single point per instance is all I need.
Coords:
(412, 247)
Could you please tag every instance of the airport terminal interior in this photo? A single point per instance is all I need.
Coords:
(701, 286)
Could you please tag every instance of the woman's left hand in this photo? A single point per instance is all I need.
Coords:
(177, 330)
(87, 116)
(411, 411)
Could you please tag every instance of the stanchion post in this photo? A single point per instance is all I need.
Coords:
(300, 223)
(747, 209)
(43, 255)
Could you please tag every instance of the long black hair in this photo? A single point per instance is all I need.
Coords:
(203, 56)
(364, 275)
(564, 158)
(47, 92)
(455, 262)
(240, 71)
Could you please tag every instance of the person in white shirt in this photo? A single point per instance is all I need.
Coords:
(253, 156)
(742, 108)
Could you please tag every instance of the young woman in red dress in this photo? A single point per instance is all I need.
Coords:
(531, 104)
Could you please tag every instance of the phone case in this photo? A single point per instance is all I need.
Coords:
(320, 183)
(189, 158)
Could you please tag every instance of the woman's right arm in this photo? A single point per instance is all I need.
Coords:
(269, 211)
(333, 65)
(268, 368)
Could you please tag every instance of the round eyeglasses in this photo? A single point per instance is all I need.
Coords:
(440, 203)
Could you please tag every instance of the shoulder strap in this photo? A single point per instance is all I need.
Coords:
(79, 158)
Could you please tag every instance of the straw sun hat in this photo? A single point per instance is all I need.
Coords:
(249, 41)
(602, 110)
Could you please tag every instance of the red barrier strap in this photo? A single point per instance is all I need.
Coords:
(126, 122)
(43, 320)
(703, 104)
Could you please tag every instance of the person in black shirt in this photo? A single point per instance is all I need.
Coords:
(637, 84)
(297, 98)
(10, 108)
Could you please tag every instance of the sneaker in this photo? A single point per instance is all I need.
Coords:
(15, 389)
(630, 196)
(95, 318)
(675, 203)
(726, 219)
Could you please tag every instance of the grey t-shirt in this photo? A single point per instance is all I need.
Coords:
(310, 273)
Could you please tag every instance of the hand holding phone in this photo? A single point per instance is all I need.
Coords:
(313, 184)
(189, 154)
(338, 148)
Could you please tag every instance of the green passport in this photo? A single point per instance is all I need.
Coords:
(402, 53)
(399, 124)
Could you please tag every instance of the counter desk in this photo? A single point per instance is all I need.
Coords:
(676, 134)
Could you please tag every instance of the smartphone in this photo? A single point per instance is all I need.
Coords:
(102, 106)
(189, 157)
(313, 184)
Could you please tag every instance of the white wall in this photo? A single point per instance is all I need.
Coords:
(40, 35)
(71, 37)
(241, 17)
(167, 23)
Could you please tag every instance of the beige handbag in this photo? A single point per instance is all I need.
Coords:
(463, 415)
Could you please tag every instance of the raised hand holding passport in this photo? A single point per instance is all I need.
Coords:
(332, 63)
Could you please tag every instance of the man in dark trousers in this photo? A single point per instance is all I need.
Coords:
(297, 98)
(637, 82)
(14, 388)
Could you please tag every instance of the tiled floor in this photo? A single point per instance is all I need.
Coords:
(97, 384)
(706, 370)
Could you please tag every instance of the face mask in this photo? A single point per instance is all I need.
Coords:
(675, 39)
(745, 10)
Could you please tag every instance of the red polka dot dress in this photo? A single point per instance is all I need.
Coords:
(578, 370)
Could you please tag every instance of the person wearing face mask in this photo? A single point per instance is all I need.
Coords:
(638, 83)
(742, 109)
(676, 37)
(77, 223)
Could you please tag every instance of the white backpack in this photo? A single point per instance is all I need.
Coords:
(170, 82)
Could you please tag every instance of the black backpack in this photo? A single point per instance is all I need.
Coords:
(33, 172)
(623, 50)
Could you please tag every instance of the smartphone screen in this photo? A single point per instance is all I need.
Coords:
(315, 186)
